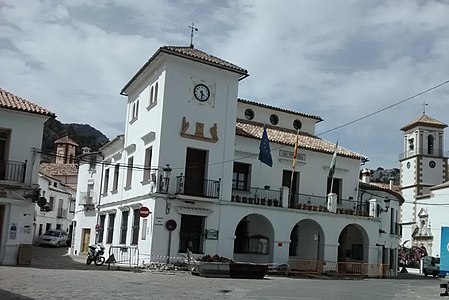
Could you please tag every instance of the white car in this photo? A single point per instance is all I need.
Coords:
(54, 237)
(431, 266)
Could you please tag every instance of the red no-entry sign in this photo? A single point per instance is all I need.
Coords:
(144, 212)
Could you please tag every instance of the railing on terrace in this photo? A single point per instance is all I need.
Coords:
(88, 198)
(422, 151)
(13, 170)
(259, 196)
(193, 186)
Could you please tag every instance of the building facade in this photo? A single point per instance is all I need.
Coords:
(190, 156)
(21, 129)
(424, 176)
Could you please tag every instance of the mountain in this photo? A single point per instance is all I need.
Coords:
(83, 134)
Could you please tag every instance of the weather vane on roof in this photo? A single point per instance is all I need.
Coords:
(192, 29)
(424, 104)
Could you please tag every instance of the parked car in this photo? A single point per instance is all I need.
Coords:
(54, 237)
(431, 265)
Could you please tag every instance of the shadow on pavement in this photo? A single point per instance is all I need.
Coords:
(12, 296)
(57, 258)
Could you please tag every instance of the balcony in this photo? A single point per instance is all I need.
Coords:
(422, 151)
(13, 171)
(258, 196)
(62, 213)
(88, 199)
(193, 186)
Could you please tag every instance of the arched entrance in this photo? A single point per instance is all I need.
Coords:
(307, 241)
(353, 244)
(254, 236)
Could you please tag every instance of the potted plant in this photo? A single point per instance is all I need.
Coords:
(276, 202)
(270, 202)
(244, 200)
(232, 198)
(257, 200)
(237, 198)
(263, 201)
(251, 200)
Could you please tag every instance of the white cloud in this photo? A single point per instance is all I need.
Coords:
(340, 60)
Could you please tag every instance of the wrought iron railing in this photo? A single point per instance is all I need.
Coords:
(260, 196)
(88, 198)
(193, 186)
(13, 170)
(422, 151)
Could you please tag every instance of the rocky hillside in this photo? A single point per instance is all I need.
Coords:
(83, 134)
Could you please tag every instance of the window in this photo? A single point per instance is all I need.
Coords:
(110, 228)
(249, 114)
(58, 227)
(101, 229)
(116, 173)
(297, 124)
(106, 181)
(51, 203)
(411, 144)
(47, 227)
(153, 94)
(90, 193)
(124, 227)
(336, 187)
(60, 208)
(274, 119)
(135, 228)
(240, 177)
(392, 221)
(135, 110)
(147, 166)
(191, 234)
(430, 144)
(129, 174)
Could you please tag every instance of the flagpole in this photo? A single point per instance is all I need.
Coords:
(295, 154)
(358, 181)
(333, 163)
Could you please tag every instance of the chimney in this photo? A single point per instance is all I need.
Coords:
(366, 175)
(86, 150)
(391, 184)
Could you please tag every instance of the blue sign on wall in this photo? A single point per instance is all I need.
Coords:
(444, 262)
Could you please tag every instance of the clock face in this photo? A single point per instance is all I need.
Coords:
(201, 92)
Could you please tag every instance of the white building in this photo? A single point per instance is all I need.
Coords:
(59, 211)
(424, 183)
(190, 155)
(21, 129)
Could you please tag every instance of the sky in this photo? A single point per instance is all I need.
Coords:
(340, 60)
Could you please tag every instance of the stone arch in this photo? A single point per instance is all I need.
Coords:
(307, 240)
(254, 236)
(353, 244)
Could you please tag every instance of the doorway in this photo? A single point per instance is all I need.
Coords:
(191, 235)
(2, 226)
(85, 240)
(195, 172)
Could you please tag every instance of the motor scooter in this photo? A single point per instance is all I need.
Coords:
(95, 254)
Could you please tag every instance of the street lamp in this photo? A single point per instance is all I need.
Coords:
(166, 176)
(381, 209)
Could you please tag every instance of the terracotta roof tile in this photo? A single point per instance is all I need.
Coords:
(288, 137)
(192, 54)
(66, 140)
(280, 109)
(52, 169)
(10, 101)
(424, 120)
(384, 188)
(202, 56)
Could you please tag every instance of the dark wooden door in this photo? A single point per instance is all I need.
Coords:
(195, 172)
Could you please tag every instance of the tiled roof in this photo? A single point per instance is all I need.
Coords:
(424, 120)
(192, 54)
(52, 169)
(66, 140)
(284, 136)
(10, 101)
(280, 109)
(383, 188)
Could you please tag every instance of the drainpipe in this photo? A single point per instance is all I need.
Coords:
(99, 198)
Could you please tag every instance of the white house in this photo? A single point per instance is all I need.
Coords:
(424, 183)
(59, 211)
(21, 129)
(190, 156)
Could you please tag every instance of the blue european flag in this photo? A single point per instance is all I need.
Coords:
(264, 149)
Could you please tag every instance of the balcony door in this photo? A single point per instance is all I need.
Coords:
(3, 152)
(292, 185)
(195, 172)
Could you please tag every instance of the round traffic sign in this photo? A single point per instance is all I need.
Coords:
(171, 225)
(144, 212)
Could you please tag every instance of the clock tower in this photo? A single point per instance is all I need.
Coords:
(422, 166)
